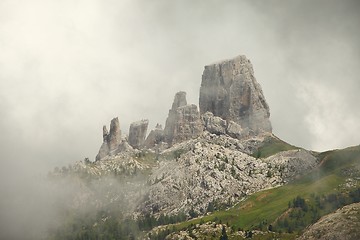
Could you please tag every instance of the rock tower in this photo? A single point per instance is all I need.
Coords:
(229, 90)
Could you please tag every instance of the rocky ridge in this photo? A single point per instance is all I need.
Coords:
(343, 224)
(213, 170)
(205, 157)
(231, 102)
(204, 160)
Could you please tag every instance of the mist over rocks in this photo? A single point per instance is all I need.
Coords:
(231, 102)
(187, 124)
(111, 140)
(229, 90)
(156, 136)
(183, 121)
(114, 136)
(137, 133)
(204, 159)
(179, 101)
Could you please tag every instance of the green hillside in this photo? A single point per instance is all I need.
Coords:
(285, 210)
(270, 146)
(321, 191)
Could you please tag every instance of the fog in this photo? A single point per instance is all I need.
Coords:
(68, 67)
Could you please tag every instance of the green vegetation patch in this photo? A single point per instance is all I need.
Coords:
(271, 146)
(299, 203)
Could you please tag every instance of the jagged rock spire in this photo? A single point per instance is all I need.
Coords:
(111, 140)
(179, 101)
(183, 121)
(231, 102)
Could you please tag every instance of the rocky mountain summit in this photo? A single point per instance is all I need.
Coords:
(205, 157)
(219, 162)
(229, 90)
(231, 102)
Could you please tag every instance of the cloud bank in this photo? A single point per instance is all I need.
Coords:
(68, 67)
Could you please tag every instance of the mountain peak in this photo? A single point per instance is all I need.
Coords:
(231, 102)
(229, 90)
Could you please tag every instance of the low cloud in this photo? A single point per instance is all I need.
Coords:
(69, 67)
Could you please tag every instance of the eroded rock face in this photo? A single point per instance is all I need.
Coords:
(114, 136)
(344, 224)
(229, 90)
(103, 151)
(179, 101)
(183, 121)
(137, 133)
(187, 123)
(219, 126)
(214, 124)
(111, 140)
(234, 130)
(155, 137)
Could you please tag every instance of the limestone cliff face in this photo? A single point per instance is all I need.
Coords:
(231, 103)
(179, 101)
(155, 137)
(229, 90)
(187, 123)
(111, 140)
(137, 133)
(183, 121)
(114, 136)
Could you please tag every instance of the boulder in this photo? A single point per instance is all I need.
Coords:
(234, 130)
(214, 124)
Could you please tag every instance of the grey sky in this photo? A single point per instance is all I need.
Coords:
(67, 68)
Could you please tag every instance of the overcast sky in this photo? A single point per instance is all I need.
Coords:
(67, 67)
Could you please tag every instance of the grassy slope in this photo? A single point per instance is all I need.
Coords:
(270, 204)
(271, 146)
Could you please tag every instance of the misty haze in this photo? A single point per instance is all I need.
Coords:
(179, 119)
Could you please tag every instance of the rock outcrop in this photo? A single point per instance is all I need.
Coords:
(229, 90)
(114, 136)
(231, 103)
(343, 224)
(111, 140)
(179, 101)
(137, 133)
(155, 137)
(217, 168)
(103, 151)
(234, 130)
(214, 124)
(217, 125)
(183, 121)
